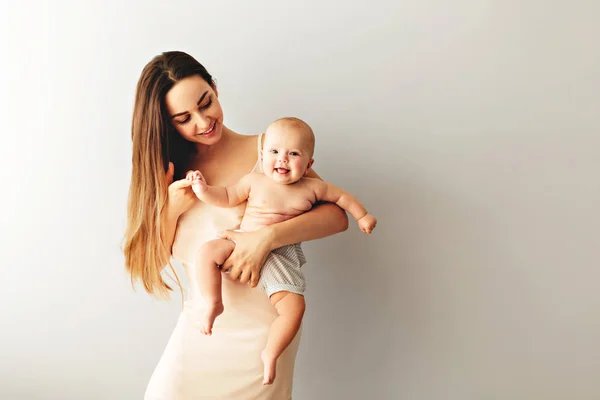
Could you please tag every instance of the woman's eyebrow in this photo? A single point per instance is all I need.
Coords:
(198, 103)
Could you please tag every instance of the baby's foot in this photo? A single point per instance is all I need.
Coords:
(270, 364)
(213, 311)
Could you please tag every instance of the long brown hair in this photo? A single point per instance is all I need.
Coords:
(155, 144)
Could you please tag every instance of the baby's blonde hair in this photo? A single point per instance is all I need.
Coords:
(299, 126)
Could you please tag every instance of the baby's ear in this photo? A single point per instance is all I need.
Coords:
(310, 164)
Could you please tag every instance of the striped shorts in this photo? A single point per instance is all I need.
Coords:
(282, 272)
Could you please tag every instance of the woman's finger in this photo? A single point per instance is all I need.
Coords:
(226, 265)
(235, 273)
(181, 184)
(254, 279)
(229, 235)
(245, 277)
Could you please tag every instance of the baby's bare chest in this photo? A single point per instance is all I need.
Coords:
(283, 199)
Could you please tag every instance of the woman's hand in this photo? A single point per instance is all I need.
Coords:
(251, 251)
(180, 196)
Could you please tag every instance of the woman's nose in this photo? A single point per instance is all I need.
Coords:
(202, 122)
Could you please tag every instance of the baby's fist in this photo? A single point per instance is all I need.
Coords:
(198, 182)
(367, 223)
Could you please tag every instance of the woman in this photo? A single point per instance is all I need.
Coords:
(178, 126)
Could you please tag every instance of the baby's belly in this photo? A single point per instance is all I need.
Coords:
(256, 220)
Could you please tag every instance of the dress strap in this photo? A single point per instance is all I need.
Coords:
(258, 165)
(259, 144)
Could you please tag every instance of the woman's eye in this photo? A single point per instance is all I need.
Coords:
(185, 121)
(206, 105)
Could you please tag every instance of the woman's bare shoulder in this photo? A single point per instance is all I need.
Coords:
(248, 141)
(245, 152)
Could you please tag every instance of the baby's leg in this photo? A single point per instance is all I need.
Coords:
(211, 255)
(290, 307)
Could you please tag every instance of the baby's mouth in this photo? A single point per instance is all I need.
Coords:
(282, 171)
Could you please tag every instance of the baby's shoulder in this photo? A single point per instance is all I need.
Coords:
(254, 176)
(311, 183)
(259, 181)
(258, 178)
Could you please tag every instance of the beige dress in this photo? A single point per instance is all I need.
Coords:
(226, 365)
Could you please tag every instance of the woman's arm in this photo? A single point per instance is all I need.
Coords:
(323, 220)
(180, 198)
(252, 248)
(170, 222)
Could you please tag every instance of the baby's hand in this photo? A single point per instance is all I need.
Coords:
(198, 182)
(367, 223)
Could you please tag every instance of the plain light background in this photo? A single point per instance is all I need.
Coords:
(470, 128)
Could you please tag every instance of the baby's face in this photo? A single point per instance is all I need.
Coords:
(286, 154)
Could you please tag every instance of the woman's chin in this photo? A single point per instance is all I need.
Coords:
(212, 137)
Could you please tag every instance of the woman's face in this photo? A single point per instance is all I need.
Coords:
(195, 111)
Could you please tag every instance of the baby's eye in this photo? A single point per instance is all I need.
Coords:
(294, 153)
(273, 151)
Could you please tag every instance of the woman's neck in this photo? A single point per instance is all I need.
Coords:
(233, 150)
(205, 152)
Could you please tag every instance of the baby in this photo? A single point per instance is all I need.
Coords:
(280, 193)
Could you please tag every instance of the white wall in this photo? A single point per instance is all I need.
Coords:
(470, 128)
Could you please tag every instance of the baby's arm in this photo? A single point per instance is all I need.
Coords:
(229, 196)
(327, 192)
